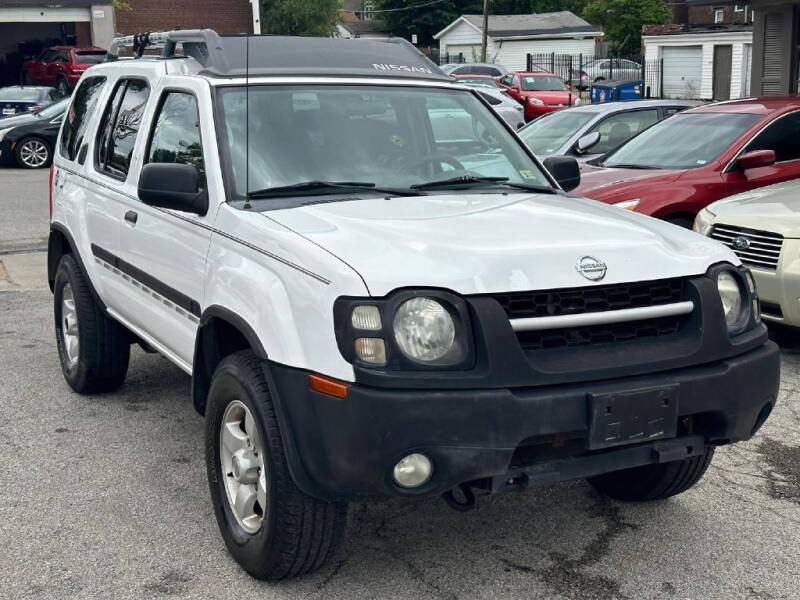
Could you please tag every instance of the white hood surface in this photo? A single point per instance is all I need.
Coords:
(488, 243)
(774, 208)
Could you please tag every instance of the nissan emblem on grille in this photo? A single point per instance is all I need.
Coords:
(741, 243)
(591, 268)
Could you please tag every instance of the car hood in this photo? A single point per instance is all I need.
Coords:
(488, 243)
(23, 119)
(549, 97)
(612, 185)
(775, 208)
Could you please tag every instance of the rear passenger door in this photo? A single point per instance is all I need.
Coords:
(168, 248)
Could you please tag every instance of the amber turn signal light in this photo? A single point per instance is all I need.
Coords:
(325, 385)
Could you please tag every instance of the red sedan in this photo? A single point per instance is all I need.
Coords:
(61, 66)
(680, 165)
(539, 93)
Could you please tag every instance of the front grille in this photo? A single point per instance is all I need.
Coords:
(753, 247)
(570, 301)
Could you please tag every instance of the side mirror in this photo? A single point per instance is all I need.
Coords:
(587, 141)
(565, 170)
(172, 185)
(755, 159)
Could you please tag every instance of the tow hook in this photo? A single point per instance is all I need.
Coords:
(468, 503)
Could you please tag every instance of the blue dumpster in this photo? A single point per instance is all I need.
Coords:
(617, 91)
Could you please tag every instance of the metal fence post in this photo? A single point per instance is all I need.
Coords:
(661, 78)
(529, 62)
(552, 62)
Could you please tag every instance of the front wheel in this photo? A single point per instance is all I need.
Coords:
(272, 529)
(654, 482)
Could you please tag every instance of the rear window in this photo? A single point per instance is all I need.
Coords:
(20, 94)
(90, 58)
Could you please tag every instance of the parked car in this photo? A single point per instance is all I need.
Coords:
(509, 109)
(477, 80)
(20, 99)
(539, 93)
(590, 130)
(371, 309)
(61, 66)
(476, 68)
(602, 69)
(686, 162)
(28, 140)
(763, 228)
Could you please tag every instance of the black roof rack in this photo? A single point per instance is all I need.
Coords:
(227, 55)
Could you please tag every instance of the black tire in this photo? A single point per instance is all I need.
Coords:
(654, 482)
(298, 533)
(62, 85)
(104, 344)
(684, 222)
(27, 161)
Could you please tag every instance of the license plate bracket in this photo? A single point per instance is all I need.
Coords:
(630, 417)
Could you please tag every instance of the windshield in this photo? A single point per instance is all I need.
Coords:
(543, 83)
(392, 137)
(91, 57)
(53, 110)
(548, 133)
(20, 94)
(684, 141)
(478, 81)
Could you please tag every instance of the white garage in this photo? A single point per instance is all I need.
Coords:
(683, 71)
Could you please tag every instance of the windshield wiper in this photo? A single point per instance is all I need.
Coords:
(307, 188)
(472, 180)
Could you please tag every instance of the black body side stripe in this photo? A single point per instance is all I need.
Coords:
(178, 298)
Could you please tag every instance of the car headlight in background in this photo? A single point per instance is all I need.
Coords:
(703, 222)
(576, 102)
(628, 204)
(424, 330)
(536, 101)
(730, 292)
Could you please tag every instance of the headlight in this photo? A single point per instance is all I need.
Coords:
(628, 204)
(532, 100)
(424, 329)
(3, 132)
(703, 222)
(730, 292)
(576, 102)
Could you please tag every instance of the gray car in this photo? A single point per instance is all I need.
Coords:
(474, 68)
(592, 130)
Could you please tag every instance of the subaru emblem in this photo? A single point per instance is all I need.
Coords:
(741, 243)
(591, 268)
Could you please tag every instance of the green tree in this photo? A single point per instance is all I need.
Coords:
(623, 20)
(300, 17)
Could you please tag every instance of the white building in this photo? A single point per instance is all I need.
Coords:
(702, 62)
(512, 37)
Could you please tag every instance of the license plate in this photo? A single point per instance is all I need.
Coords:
(642, 415)
(9, 111)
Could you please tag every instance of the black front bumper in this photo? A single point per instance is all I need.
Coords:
(346, 448)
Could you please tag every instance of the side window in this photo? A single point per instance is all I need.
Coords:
(515, 81)
(120, 127)
(176, 133)
(780, 136)
(671, 110)
(47, 56)
(506, 80)
(83, 106)
(618, 129)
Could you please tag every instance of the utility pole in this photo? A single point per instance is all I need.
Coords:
(485, 29)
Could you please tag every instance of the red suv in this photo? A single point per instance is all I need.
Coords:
(61, 66)
(539, 93)
(681, 164)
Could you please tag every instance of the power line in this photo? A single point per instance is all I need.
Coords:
(385, 10)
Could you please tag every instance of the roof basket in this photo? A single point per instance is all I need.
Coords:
(204, 45)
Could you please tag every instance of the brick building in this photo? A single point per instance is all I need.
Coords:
(225, 16)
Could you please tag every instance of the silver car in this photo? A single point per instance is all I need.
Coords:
(475, 68)
(592, 130)
(512, 111)
(605, 69)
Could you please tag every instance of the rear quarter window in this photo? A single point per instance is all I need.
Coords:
(78, 115)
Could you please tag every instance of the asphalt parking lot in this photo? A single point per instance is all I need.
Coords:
(106, 496)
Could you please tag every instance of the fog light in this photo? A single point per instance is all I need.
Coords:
(413, 470)
(371, 350)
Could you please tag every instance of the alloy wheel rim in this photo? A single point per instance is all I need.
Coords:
(69, 326)
(33, 153)
(241, 454)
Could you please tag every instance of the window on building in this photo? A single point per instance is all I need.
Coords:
(719, 15)
(369, 8)
(739, 7)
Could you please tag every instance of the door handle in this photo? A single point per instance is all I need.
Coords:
(131, 217)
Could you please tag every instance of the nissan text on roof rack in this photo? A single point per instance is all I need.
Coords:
(379, 291)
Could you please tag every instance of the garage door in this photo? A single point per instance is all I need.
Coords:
(43, 14)
(470, 52)
(683, 69)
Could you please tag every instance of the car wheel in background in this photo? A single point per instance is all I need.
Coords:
(33, 153)
(684, 222)
(93, 348)
(62, 86)
(272, 529)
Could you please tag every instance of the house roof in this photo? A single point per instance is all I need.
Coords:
(364, 27)
(683, 29)
(503, 26)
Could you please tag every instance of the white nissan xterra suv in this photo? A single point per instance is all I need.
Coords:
(379, 291)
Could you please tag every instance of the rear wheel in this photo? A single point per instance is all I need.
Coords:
(33, 153)
(93, 348)
(684, 222)
(654, 482)
(272, 529)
